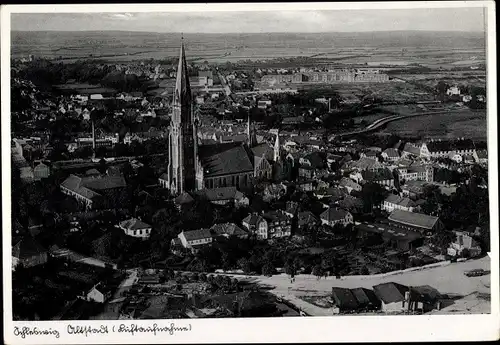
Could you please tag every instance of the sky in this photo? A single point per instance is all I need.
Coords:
(448, 19)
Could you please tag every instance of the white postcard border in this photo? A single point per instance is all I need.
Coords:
(314, 329)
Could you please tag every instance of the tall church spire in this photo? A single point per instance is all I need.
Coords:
(277, 147)
(252, 139)
(181, 171)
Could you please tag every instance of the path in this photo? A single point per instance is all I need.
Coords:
(76, 257)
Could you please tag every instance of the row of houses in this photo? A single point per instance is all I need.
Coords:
(388, 298)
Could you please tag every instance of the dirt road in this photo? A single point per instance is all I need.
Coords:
(448, 279)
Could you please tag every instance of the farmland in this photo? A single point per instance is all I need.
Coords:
(462, 124)
(378, 48)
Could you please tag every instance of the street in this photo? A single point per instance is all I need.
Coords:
(448, 279)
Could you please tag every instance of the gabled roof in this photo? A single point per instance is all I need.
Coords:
(225, 159)
(392, 153)
(333, 214)
(184, 198)
(222, 193)
(134, 224)
(365, 297)
(412, 149)
(379, 175)
(230, 229)
(397, 200)
(390, 292)
(275, 216)
(27, 248)
(344, 298)
(263, 150)
(346, 182)
(450, 145)
(253, 219)
(419, 220)
(306, 217)
(316, 159)
(197, 234)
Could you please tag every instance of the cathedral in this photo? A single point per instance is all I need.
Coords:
(192, 166)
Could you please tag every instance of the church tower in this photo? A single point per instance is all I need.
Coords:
(182, 143)
(252, 139)
(277, 149)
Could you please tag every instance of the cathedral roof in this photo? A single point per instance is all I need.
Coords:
(263, 150)
(225, 159)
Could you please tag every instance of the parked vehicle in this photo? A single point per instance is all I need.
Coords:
(475, 273)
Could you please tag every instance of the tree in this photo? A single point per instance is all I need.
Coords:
(290, 269)
(245, 265)
(318, 271)
(372, 195)
(442, 239)
(268, 269)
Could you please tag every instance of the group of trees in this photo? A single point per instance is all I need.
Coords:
(465, 209)
(45, 74)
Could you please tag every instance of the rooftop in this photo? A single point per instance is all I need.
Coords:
(419, 220)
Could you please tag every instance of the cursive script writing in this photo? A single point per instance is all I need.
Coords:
(154, 328)
(36, 331)
(102, 329)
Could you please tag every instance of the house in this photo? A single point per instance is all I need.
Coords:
(424, 298)
(305, 219)
(469, 159)
(390, 155)
(257, 225)
(481, 156)
(395, 202)
(443, 148)
(365, 163)
(93, 191)
(344, 301)
(395, 297)
(394, 237)
(28, 253)
(383, 177)
(224, 195)
(415, 221)
(136, 228)
(349, 185)
(462, 242)
(366, 298)
(416, 173)
(228, 229)
(278, 224)
(41, 171)
(291, 208)
(99, 293)
(195, 238)
(453, 91)
(413, 189)
(411, 150)
(334, 216)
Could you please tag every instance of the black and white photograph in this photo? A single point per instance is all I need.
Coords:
(229, 163)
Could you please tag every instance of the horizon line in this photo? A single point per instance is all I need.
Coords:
(267, 32)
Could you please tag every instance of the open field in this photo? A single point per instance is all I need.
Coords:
(378, 47)
(466, 124)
